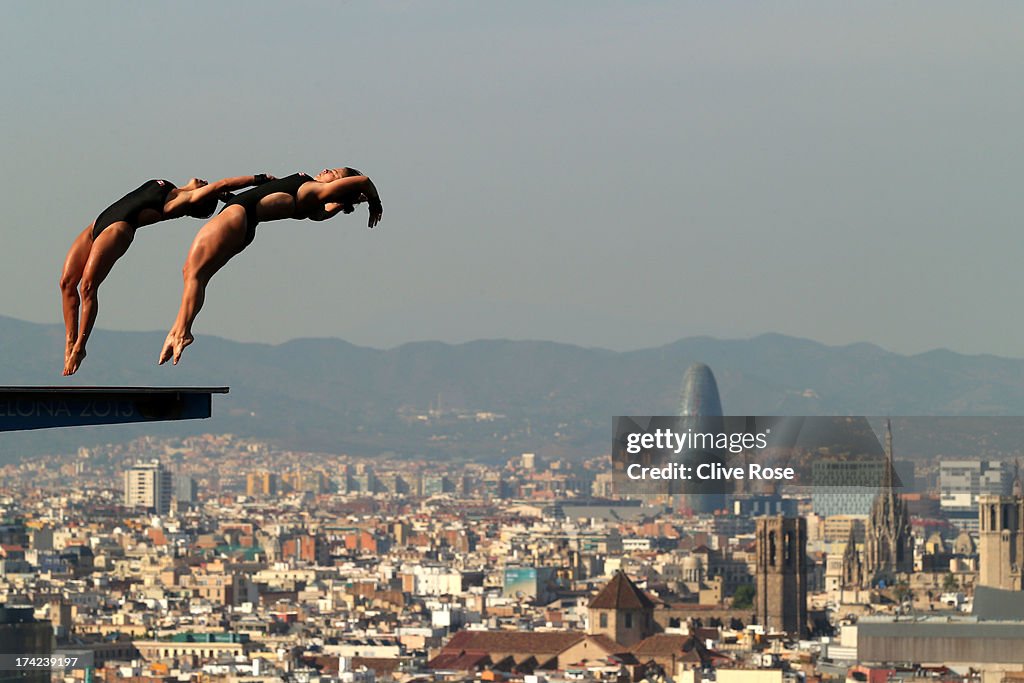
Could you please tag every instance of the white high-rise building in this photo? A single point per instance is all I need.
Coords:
(148, 485)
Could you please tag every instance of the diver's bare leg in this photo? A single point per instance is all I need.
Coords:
(192, 298)
(215, 244)
(109, 245)
(70, 276)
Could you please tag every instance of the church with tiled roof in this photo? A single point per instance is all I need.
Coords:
(622, 612)
(620, 616)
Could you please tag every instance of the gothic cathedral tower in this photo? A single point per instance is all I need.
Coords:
(782, 574)
(1001, 541)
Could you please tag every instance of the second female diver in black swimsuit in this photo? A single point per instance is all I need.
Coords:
(224, 236)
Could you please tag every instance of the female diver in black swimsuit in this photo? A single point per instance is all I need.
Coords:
(95, 250)
(331, 192)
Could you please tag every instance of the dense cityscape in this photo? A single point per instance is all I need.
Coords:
(221, 558)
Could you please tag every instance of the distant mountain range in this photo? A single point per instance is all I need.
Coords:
(556, 399)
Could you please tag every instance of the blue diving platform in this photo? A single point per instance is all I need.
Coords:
(23, 408)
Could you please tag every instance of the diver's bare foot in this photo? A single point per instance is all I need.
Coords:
(173, 346)
(73, 361)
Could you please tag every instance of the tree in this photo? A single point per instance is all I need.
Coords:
(743, 598)
(949, 583)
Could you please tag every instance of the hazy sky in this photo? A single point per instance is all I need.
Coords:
(607, 174)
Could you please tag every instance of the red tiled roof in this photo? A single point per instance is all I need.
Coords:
(659, 645)
(607, 644)
(684, 648)
(621, 593)
(459, 661)
(379, 665)
(532, 642)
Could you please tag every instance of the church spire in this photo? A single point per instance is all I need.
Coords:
(890, 466)
(889, 546)
(853, 571)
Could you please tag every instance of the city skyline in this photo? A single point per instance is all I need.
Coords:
(529, 566)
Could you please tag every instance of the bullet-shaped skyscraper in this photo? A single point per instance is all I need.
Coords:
(701, 407)
(699, 395)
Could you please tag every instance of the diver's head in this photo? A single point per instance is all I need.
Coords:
(203, 209)
(330, 174)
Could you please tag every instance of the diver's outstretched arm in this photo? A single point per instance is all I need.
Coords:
(329, 210)
(352, 190)
(178, 203)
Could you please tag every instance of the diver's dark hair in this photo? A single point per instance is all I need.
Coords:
(349, 171)
(203, 209)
